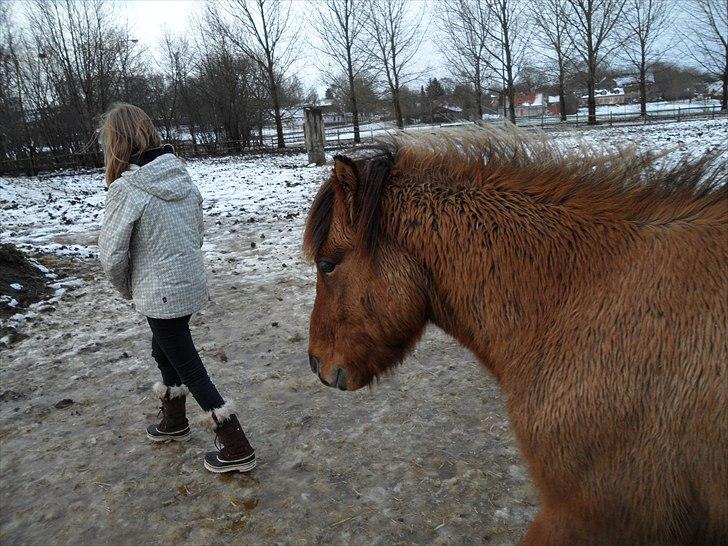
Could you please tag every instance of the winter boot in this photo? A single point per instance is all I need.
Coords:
(234, 450)
(174, 425)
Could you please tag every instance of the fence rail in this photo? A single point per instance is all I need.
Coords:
(343, 136)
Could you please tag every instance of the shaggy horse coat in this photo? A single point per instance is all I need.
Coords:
(594, 288)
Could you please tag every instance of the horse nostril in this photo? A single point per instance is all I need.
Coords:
(314, 363)
(340, 380)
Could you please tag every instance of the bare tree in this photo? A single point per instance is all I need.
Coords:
(645, 23)
(709, 40)
(395, 35)
(549, 16)
(13, 113)
(260, 29)
(465, 35)
(84, 51)
(340, 24)
(592, 25)
(509, 38)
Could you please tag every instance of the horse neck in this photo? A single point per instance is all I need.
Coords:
(501, 266)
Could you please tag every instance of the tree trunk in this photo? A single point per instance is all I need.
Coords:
(562, 90)
(509, 69)
(643, 93)
(643, 82)
(352, 95)
(591, 102)
(478, 93)
(354, 109)
(724, 98)
(278, 117)
(511, 90)
(276, 106)
(397, 109)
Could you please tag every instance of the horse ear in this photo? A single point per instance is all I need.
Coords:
(347, 175)
(353, 169)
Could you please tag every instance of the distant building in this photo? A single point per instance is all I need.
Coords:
(630, 83)
(540, 104)
(602, 97)
(530, 105)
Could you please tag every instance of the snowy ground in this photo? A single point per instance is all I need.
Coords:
(655, 107)
(424, 457)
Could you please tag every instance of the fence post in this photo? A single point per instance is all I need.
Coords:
(678, 113)
(313, 133)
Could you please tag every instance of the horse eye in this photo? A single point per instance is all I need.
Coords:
(326, 266)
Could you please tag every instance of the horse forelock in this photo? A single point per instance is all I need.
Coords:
(372, 175)
(319, 220)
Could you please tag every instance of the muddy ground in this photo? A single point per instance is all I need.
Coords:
(425, 457)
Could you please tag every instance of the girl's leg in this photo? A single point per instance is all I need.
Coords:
(175, 341)
(170, 377)
(172, 395)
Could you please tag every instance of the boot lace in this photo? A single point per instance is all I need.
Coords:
(218, 444)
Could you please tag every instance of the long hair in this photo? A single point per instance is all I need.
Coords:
(125, 130)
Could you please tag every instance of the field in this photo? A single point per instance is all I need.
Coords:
(424, 457)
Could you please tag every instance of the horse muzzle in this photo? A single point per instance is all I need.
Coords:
(339, 379)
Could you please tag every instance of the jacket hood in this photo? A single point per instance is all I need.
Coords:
(165, 178)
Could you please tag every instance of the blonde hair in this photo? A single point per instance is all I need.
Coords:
(125, 130)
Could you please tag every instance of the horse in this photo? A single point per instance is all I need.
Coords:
(592, 285)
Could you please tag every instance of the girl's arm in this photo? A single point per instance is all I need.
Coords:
(120, 215)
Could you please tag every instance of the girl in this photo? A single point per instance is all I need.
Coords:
(150, 249)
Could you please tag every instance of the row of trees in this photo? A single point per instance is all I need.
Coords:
(232, 75)
(73, 59)
(487, 42)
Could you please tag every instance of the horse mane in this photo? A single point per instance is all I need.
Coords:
(620, 183)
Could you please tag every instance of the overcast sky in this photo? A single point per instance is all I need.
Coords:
(148, 20)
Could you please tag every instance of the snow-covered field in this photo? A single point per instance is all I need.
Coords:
(424, 457)
(656, 107)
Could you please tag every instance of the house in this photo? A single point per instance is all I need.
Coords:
(540, 104)
(530, 104)
(631, 85)
(602, 97)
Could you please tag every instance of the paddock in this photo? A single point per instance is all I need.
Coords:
(425, 457)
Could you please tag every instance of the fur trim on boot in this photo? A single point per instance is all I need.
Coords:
(161, 390)
(174, 425)
(221, 415)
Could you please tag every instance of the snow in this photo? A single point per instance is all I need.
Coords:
(16, 286)
(11, 302)
(376, 466)
(655, 107)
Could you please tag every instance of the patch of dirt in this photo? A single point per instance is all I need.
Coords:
(424, 457)
(20, 281)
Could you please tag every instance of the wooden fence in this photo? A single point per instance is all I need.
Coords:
(339, 137)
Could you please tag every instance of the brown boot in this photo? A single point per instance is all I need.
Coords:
(174, 425)
(234, 452)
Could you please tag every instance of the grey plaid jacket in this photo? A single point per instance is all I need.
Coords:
(151, 239)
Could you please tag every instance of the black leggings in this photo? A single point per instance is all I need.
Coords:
(177, 359)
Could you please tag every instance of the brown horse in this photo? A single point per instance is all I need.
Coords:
(593, 287)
